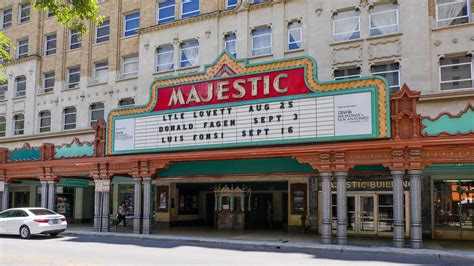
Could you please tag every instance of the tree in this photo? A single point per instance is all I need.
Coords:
(74, 15)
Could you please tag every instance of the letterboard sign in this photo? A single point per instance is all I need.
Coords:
(229, 105)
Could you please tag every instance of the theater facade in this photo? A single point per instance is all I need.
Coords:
(263, 146)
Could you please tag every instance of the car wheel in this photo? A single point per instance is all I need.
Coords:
(53, 234)
(25, 232)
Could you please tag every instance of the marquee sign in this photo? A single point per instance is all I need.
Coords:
(234, 103)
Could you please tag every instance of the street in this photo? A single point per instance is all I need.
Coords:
(82, 250)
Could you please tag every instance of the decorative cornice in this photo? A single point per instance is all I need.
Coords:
(23, 60)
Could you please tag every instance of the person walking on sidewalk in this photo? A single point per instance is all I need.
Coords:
(121, 214)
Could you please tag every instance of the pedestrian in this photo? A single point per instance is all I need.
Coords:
(121, 214)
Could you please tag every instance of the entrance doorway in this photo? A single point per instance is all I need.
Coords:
(369, 213)
(260, 210)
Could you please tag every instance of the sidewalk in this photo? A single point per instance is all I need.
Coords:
(281, 240)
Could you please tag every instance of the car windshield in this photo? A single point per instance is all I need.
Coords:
(41, 212)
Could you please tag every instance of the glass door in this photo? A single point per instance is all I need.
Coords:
(366, 210)
(351, 213)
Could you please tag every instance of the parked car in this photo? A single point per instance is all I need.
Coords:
(31, 221)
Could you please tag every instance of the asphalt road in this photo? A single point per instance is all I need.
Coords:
(82, 250)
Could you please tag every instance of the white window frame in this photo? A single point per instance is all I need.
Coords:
(468, 5)
(3, 17)
(18, 55)
(184, 14)
(15, 121)
(20, 93)
(227, 6)
(334, 28)
(40, 118)
(385, 11)
(130, 74)
(173, 6)
(391, 71)
(165, 64)
(101, 68)
(100, 27)
(68, 114)
(234, 40)
(459, 80)
(69, 73)
(52, 50)
(125, 23)
(3, 121)
(348, 76)
(79, 42)
(23, 6)
(271, 42)
(91, 111)
(195, 59)
(48, 89)
(3, 95)
(300, 28)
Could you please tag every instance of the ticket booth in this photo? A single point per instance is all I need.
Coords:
(231, 204)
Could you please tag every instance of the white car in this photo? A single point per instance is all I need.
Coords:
(31, 221)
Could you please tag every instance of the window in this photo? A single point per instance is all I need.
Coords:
(3, 126)
(258, 1)
(391, 72)
(126, 102)
(166, 11)
(44, 121)
(50, 45)
(73, 77)
(345, 73)
(24, 12)
(6, 18)
(188, 202)
(20, 86)
(230, 4)
(74, 40)
(4, 59)
(164, 58)
(230, 43)
(189, 53)
(453, 202)
(96, 112)
(22, 49)
(130, 66)
(101, 70)
(48, 82)
(132, 23)
(50, 14)
(100, 1)
(383, 20)
(18, 124)
(452, 12)
(346, 26)
(295, 36)
(69, 118)
(102, 32)
(3, 90)
(189, 8)
(261, 41)
(456, 72)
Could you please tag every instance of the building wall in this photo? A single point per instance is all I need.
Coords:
(417, 48)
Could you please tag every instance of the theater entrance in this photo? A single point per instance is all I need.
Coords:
(369, 213)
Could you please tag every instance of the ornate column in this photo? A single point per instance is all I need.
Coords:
(137, 207)
(97, 205)
(341, 208)
(44, 193)
(398, 210)
(51, 195)
(105, 209)
(416, 238)
(146, 204)
(313, 202)
(6, 192)
(326, 237)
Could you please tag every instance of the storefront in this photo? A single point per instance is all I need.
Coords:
(267, 145)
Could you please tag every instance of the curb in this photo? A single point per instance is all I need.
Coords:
(440, 254)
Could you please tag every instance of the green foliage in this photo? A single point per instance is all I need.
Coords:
(72, 14)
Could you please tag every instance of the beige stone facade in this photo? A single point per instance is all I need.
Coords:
(417, 47)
